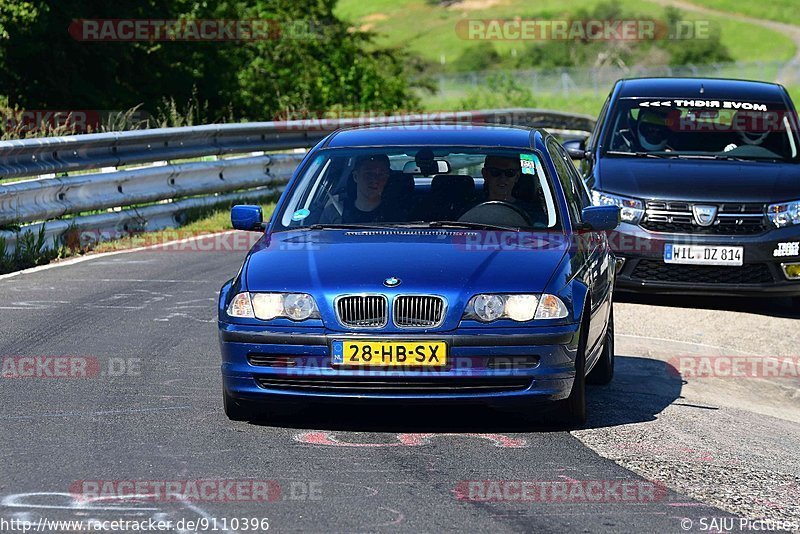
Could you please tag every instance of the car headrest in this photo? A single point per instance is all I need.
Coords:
(525, 188)
(754, 122)
(350, 186)
(452, 185)
(399, 184)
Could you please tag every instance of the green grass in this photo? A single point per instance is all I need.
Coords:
(430, 30)
(778, 10)
(217, 220)
(575, 103)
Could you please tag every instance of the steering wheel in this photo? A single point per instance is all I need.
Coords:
(516, 209)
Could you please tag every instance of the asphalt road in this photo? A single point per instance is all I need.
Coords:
(153, 413)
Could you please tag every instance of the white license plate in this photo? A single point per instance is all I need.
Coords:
(703, 255)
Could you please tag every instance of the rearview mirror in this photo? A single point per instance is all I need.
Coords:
(601, 217)
(442, 167)
(247, 217)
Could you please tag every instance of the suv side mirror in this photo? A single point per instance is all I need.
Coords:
(576, 149)
(601, 218)
(247, 217)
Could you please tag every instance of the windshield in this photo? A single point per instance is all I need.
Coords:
(422, 186)
(719, 129)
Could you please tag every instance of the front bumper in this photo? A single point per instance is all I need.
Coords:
(484, 365)
(645, 271)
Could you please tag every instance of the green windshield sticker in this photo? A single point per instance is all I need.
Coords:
(528, 163)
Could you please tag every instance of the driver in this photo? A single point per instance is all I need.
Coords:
(370, 174)
(652, 130)
(500, 175)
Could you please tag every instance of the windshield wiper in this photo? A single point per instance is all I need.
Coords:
(639, 154)
(464, 224)
(730, 157)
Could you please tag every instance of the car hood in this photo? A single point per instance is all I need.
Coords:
(698, 180)
(454, 264)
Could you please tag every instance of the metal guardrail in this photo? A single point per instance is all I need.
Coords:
(175, 187)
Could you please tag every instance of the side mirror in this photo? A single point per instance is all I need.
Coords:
(246, 217)
(576, 149)
(601, 218)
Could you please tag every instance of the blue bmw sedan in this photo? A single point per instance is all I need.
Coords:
(424, 264)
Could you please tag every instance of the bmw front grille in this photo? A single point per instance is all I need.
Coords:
(409, 311)
(418, 311)
(362, 311)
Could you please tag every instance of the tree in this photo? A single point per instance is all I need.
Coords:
(44, 67)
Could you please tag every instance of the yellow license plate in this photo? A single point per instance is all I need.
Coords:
(390, 353)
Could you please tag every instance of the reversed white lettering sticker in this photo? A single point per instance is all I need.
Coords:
(699, 103)
(791, 248)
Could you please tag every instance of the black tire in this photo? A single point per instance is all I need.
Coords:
(796, 303)
(244, 410)
(571, 412)
(236, 409)
(603, 371)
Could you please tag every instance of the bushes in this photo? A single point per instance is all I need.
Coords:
(500, 91)
(31, 250)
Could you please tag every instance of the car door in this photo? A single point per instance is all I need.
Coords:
(596, 269)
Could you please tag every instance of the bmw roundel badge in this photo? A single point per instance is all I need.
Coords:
(392, 281)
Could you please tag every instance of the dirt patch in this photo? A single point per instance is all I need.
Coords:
(474, 5)
(375, 17)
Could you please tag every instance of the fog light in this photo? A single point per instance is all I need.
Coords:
(620, 263)
(791, 270)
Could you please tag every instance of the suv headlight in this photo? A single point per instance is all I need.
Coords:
(631, 209)
(784, 213)
(266, 306)
(523, 307)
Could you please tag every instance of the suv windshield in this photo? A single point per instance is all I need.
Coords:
(422, 186)
(686, 128)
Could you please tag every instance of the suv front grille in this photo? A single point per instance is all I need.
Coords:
(658, 271)
(676, 217)
(421, 311)
(362, 311)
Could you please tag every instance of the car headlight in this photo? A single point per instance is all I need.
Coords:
(784, 213)
(631, 209)
(489, 307)
(266, 306)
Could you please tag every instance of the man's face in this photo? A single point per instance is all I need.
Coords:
(500, 175)
(371, 178)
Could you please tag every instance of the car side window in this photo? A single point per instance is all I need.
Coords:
(580, 190)
(592, 139)
(566, 179)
